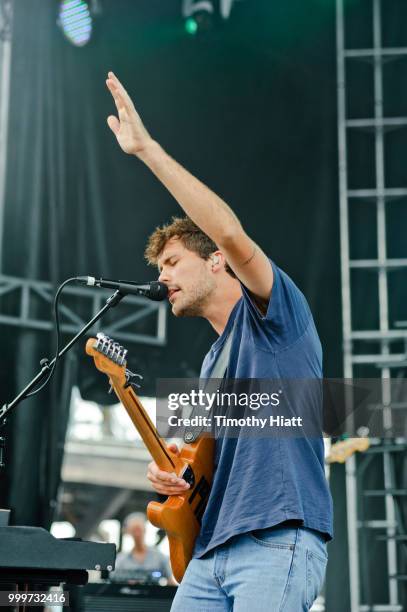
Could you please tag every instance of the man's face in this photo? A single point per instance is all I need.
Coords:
(136, 529)
(188, 278)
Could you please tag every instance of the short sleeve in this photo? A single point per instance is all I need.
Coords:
(287, 315)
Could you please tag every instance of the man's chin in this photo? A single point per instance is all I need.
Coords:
(179, 310)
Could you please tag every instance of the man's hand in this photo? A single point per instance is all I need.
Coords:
(164, 482)
(128, 128)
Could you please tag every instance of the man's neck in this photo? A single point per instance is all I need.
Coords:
(222, 303)
(139, 548)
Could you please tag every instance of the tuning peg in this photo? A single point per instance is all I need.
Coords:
(112, 349)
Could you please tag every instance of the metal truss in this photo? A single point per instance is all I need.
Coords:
(6, 20)
(21, 299)
(6, 12)
(385, 359)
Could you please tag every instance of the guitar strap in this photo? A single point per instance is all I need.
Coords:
(218, 372)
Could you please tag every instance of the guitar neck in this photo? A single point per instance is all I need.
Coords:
(157, 448)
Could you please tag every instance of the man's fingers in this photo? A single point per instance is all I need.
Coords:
(116, 81)
(120, 87)
(114, 124)
(168, 489)
(163, 476)
(117, 97)
(173, 448)
(155, 471)
(164, 482)
(174, 488)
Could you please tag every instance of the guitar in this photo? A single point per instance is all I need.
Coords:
(342, 450)
(180, 515)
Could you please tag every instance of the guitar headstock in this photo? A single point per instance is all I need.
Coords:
(109, 356)
(341, 451)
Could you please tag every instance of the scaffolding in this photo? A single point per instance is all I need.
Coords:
(386, 346)
(6, 19)
(27, 304)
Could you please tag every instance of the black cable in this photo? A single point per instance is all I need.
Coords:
(58, 337)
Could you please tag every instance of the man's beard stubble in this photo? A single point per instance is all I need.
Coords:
(199, 297)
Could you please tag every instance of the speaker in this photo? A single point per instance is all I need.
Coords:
(121, 597)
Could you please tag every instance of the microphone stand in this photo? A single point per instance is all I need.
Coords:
(46, 366)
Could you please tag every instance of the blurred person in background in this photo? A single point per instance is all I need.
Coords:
(143, 563)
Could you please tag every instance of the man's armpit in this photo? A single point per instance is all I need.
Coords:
(261, 304)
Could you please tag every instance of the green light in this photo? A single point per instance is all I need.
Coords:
(191, 25)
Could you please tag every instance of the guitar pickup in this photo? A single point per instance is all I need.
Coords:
(189, 476)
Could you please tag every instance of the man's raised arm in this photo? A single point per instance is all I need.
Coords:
(210, 213)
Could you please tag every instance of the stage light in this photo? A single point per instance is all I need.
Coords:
(76, 21)
(191, 25)
(198, 15)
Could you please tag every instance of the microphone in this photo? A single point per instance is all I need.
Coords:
(155, 290)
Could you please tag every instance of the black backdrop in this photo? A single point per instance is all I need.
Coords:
(250, 108)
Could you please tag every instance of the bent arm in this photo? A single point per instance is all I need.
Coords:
(214, 217)
(210, 213)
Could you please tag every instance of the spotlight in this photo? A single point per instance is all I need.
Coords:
(191, 25)
(198, 15)
(76, 21)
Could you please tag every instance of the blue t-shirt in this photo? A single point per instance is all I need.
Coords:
(261, 482)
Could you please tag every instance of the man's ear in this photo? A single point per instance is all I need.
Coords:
(217, 260)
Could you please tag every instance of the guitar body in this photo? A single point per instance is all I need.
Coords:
(180, 515)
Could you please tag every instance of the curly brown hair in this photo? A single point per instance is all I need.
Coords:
(193, 238)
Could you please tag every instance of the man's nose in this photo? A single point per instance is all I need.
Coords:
(164, 276)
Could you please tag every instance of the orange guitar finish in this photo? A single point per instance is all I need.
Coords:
(180, 515)
(342, 450)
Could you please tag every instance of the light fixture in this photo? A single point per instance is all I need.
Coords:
(197, 15)
(200, 14)
(75, 21)
(191, 25)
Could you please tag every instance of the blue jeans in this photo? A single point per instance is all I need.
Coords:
(279, 569)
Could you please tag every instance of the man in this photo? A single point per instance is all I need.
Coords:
(143, 563)
(262, 544)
